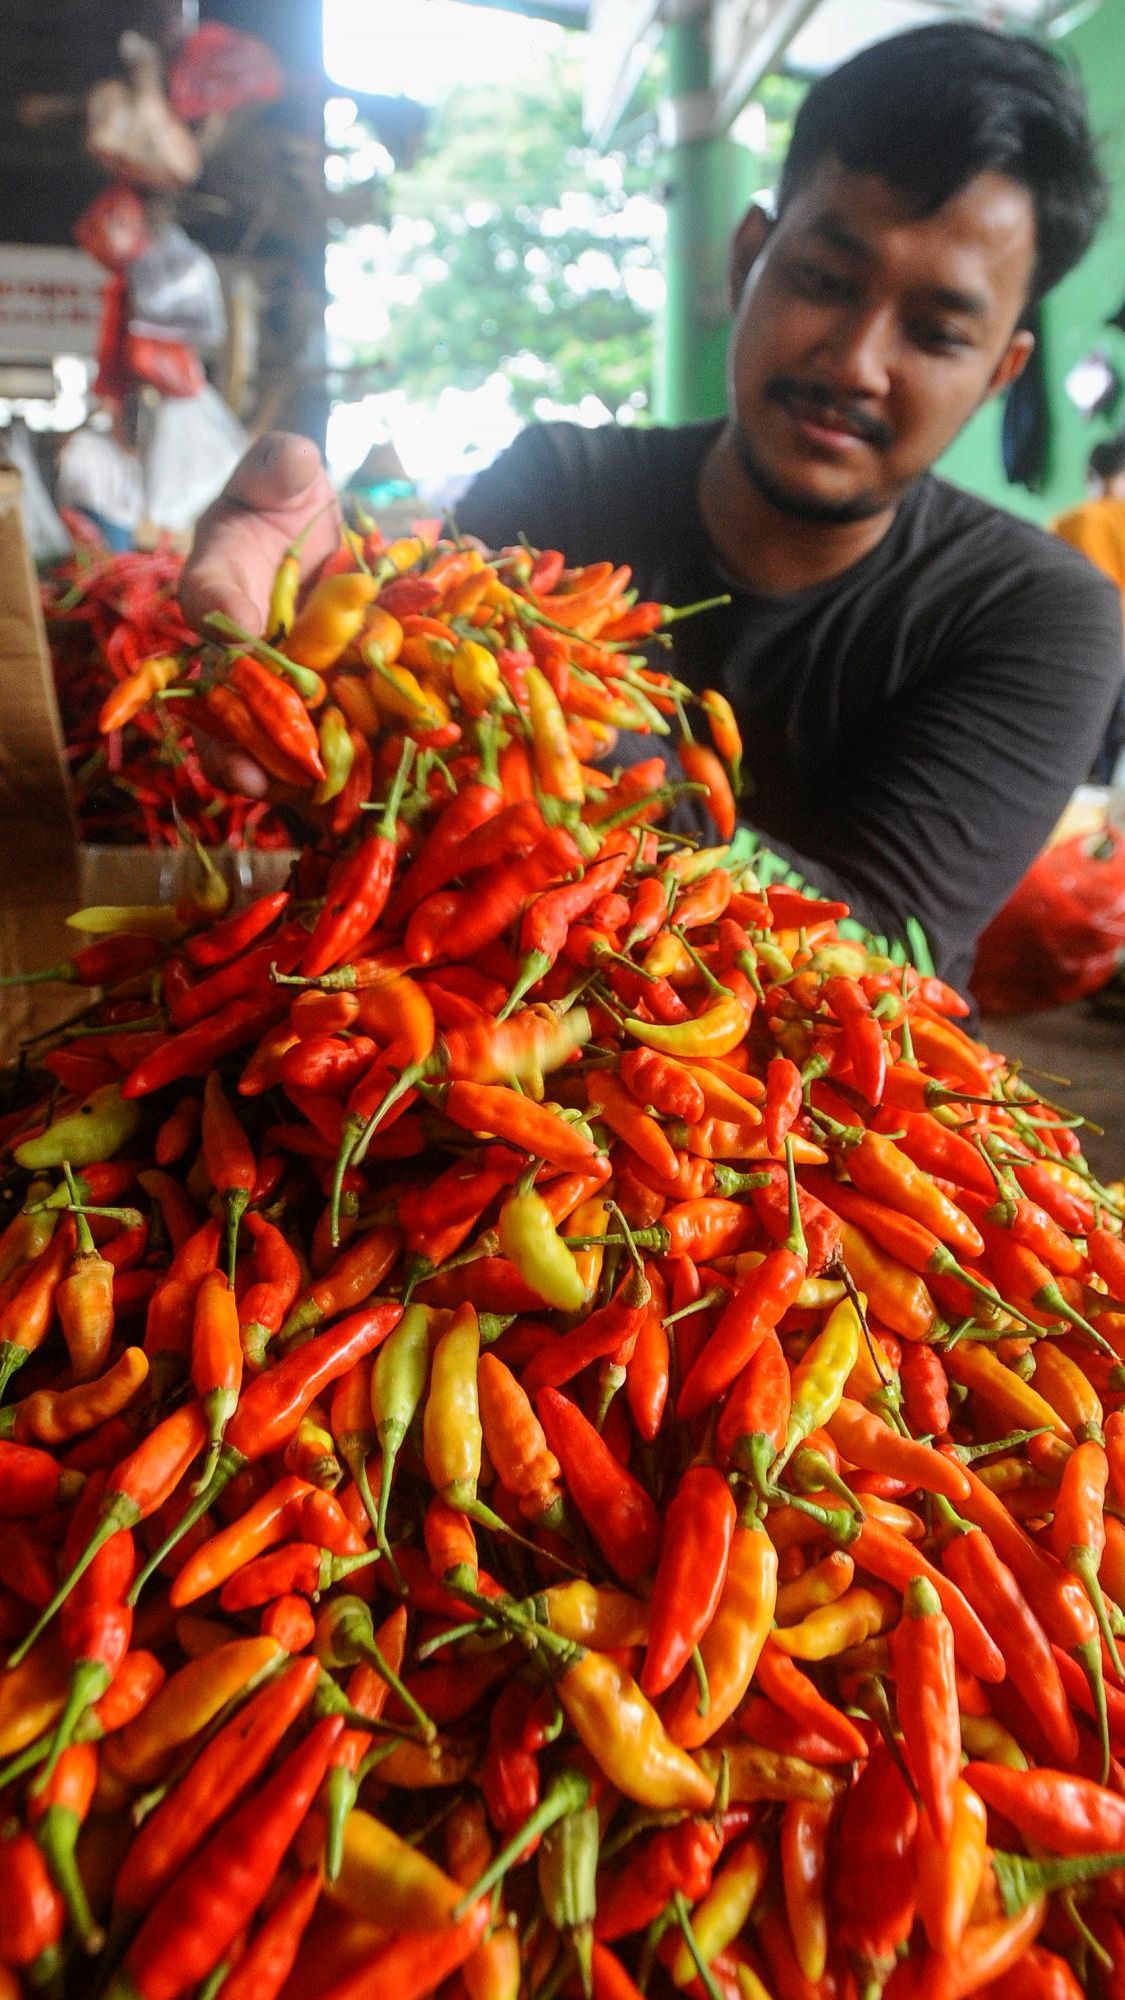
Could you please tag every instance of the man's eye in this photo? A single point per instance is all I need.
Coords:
(818, 283)
(940, 339)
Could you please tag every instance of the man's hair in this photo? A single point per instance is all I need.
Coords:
(929, 109)
(1107, 458)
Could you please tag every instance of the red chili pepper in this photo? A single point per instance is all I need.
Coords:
(871, 1870)
(926, 1700)
(359, 886)
(229, 1158)
(218, 1776)
(32, 1482)
(1063, 1813)
(619, 1513)
(192, 1924)
(758, 1303)
(197, 1049)
(236, 933)
(699, 1528)
(678, 1861)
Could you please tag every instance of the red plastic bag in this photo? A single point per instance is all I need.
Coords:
(1061, 934)
(113, 380)
(166, 365)
(113, 229)
(218, 69)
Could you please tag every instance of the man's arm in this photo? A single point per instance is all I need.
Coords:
(956, 794)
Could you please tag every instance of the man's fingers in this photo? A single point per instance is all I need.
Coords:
(279, 474)
(230, 769)
(211, 583)
(276, 490)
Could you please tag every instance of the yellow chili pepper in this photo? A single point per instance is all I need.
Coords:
(423, 1767)
(401, 554)
(715, 1032)
(723, 1912)
(337, 754)
(669, 958)
(53, 1416)
(590, 1218)
(557, 768)
(593, 1614)
(1068, 1389)
(1014, 1401)
(476, 676)
(452, 1438)
(379, 1872)
(143, 1750)
(754, 1773)
(398, 692)
(33, 1695)
(355, 696)
(330, 618)
(95, 1130)
(145, 919)
(625, 1736)
(311, 1454)
(379, 642)
(529, 1238)
(822, 1374)
(822, 1583)
(859, 1614)
(985, 1738)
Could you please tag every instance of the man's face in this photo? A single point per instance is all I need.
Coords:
(866, 337)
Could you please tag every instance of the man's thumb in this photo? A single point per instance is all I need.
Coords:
(277, 472)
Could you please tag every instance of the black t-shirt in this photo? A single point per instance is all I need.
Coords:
(914, 727)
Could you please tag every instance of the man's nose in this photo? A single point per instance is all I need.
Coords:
(860, 346)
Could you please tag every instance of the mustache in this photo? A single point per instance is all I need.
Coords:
(787, 388)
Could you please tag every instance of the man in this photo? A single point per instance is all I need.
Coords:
(920, 678)
(1097, 529)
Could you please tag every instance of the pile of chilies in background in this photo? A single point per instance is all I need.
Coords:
(561, 1425)
(139, 781)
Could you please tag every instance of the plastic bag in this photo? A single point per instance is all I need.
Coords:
(113, 229)
(175, 292)
(131, 129)
(1061, 934)
(193, 447)
(167, 365)
(218, 69)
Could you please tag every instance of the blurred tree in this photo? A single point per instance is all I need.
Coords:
(530, 254)
(519, 250)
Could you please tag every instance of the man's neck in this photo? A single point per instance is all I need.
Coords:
(766, 549)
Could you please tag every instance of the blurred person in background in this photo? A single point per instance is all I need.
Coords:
(1097, 530)
(921, 679)
(99, 474)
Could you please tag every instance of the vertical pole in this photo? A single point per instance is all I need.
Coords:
(707, 182)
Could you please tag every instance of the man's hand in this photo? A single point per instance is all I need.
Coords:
(270, 496)
(272, 493)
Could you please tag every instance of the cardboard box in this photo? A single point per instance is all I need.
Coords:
(38, 852)
(45, 871)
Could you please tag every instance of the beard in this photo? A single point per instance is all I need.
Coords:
(804, 506)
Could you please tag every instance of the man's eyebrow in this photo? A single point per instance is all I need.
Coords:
(947, 298)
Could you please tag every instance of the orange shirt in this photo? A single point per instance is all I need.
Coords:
(1097, 529)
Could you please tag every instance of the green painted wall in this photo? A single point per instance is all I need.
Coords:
(1074, 315)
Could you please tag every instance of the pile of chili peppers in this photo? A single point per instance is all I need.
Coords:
(137, 782)
(562, 1425)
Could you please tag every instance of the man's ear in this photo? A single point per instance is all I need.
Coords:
(746, 246)
(1012, 362)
